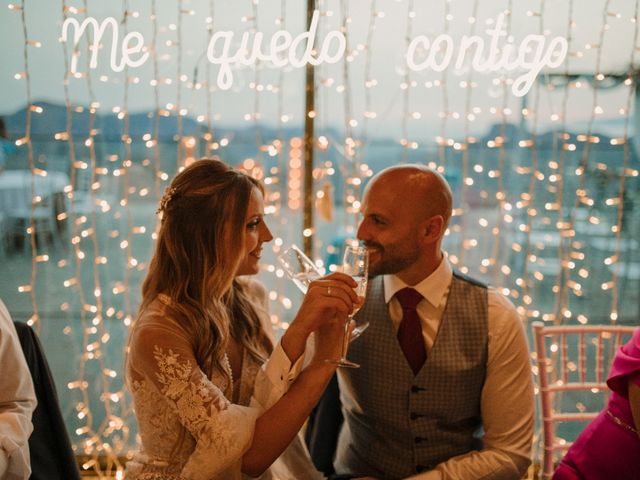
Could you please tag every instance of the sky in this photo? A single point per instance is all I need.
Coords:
(436, 101)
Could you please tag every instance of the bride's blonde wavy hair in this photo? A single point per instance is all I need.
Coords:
(199, 249)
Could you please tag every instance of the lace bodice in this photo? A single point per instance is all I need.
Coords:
(189, 426)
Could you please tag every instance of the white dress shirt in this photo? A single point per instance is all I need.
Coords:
(17, 403)
(507, 404)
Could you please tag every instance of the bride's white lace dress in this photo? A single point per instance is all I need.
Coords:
(195, 426)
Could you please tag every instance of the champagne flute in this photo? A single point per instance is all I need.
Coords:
(302, 271)
(356, 264)
(299, 268)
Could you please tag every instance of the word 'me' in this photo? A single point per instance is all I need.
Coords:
(98, 31)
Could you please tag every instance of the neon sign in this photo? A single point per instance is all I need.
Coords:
(500, 54)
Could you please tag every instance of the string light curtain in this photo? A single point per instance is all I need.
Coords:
(545, 185)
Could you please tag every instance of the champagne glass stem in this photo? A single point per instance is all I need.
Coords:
(345, 338)
(342, 361)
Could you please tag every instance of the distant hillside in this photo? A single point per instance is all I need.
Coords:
(53, 119)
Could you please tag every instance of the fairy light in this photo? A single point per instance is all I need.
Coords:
(277, 192)
(442, 145)
(31, 231)
(348, 149)
(26, 140)
(562, 154)
(85, 415)
(405, 86)
(257, 89)
(156, 102)
(631, 82)
(76, 224)
(179, 81)
(577, 258)
(324, 142)
(531, 147)
(369, 81)
(465, 150)
(350, 146)
(90, 346)
(84, 230)
(111, 401)
(209, 135)
(581, 196)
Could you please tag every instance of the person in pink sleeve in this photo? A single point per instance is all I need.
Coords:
(610, 445)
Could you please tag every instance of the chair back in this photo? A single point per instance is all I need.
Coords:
(52, 457)
(573, 364)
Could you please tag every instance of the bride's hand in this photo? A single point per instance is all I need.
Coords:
(328, 298)
(328, 303)
(327, 340)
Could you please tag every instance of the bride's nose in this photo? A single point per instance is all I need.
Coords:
(265, 233)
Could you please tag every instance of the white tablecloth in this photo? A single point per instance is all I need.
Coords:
(18, 186)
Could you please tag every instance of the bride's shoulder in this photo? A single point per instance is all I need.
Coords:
(255, 290)
(159, 315)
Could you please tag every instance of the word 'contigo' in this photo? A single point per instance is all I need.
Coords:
(530, 57)
(500, 55)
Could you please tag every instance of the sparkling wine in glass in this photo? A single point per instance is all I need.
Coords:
(299, 268)
(355, 263)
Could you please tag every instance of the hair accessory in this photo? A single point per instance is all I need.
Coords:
(166, 198)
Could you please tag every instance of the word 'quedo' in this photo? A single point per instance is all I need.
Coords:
(282, 50)
(530, 56)
(281, 41)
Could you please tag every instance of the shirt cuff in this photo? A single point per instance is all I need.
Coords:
(15, 459)
(4, 462)
(276, 377)
(279, 370)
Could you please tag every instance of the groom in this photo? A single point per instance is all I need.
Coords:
(444, 389)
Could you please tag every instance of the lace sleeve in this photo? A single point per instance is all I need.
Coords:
(222, 431)
(277, 373)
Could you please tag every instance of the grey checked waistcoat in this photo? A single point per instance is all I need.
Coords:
(396, 424)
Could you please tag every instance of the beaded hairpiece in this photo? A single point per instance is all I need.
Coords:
(166, 198)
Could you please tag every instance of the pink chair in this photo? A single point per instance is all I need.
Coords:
(572, 359)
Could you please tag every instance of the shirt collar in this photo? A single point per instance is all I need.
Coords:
(433, 287)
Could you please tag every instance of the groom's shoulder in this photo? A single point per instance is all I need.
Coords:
(466, 278)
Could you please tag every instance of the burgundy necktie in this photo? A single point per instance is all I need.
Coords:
(410, 331)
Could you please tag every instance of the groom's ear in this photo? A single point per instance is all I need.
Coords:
(433, 229)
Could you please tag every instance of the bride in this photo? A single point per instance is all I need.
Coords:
(214, 397)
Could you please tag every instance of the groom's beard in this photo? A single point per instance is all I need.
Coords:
(390, 259)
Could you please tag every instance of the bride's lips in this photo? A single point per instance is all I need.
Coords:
(256, 253)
